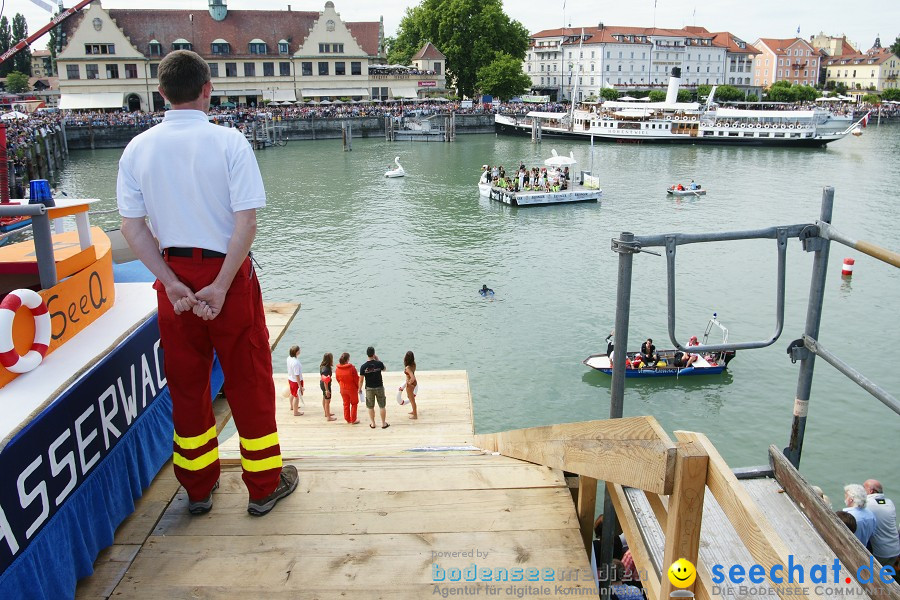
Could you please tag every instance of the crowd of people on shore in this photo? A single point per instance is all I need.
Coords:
(354, 385)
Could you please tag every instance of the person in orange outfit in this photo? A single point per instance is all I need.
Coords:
(348, 379)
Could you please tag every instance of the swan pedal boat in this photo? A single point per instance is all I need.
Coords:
(398, 172)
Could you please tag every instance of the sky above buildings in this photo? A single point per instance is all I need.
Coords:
(860, 21)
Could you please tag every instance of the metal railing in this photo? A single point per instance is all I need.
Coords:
(814, 237)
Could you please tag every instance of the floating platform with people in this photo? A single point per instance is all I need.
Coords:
(538, 186)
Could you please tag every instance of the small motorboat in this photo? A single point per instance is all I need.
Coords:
(686, 191)
(670, 362)
(398, 172)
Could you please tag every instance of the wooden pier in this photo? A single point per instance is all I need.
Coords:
(416, 509)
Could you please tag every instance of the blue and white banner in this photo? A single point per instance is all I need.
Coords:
(48, 461)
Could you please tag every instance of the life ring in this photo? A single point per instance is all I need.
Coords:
(9, 358)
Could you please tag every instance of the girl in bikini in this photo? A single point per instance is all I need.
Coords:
(409, 369)
(325, 371)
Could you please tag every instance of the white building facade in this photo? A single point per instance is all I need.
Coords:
(580, 62)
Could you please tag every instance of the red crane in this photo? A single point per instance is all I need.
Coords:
(37, 34)
(4, 180)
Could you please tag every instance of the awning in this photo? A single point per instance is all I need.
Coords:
(95, 100)
(404, 92)
(280, 95)
(216, 93)
(333, 93)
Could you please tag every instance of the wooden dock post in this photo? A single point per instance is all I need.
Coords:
(347, 136)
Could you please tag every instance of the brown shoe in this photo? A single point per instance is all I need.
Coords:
(287, 483)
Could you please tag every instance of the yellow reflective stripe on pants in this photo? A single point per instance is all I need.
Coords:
(263, 464)
(192, 443)
(266, 441)
(201, 462)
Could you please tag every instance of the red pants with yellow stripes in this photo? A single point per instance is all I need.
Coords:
(241, 341)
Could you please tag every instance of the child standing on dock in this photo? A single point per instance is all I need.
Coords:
(348, 380)
(325, 372)
(295, 379)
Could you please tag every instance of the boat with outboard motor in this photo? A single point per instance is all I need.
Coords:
(692, 189)
(668, 363)
(673, 122)
(554, 185)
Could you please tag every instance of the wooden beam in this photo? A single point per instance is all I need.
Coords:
(762, 541)
(685, 512)
(704, 590)
(634, 452)
(845, 545)
(639, 552)
(586, 506)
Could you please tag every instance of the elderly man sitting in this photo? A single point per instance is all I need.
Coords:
(884, 541)
(855, 502)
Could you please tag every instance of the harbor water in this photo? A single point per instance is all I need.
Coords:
(397, 263)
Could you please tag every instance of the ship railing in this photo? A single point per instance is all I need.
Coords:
(814, 237)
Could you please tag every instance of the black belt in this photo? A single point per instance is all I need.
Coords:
(189, 252)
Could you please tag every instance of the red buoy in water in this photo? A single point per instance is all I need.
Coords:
(847, 269)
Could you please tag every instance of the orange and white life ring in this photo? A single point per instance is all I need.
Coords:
(9, 358)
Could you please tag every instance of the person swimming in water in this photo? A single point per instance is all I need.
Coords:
(485, 290)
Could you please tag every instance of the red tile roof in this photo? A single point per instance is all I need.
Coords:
(238, 29)
(596, 35)
(780, 46)
(429, 52)
(871, 57)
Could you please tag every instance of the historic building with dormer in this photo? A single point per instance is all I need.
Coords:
(110, 57)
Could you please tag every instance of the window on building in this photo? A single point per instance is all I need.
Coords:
(554, 66)
(284, 69)
(230, 69)
(356, 68)
(437, 68)
(607, 66)
(323, 68)
(283, 47)
(258, 48)
(131, 71)
(155, 48)
(154, 69)
(220, 47)
(306, 69)
(182, 45)
(620, 67)
(214, 69)
(340, 68)
(542, 68)
(93, 71)
(249, 69)
(268, 69)
(542, 81)
(95, 49)
(73, 72)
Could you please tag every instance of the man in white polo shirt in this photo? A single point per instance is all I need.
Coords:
(199, 186)
(885, 541)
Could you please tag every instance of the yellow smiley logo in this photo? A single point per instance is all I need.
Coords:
(682, 573)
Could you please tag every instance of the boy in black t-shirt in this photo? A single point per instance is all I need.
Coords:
(371, 372)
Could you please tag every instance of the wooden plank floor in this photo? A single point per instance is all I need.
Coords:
(377, 514)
